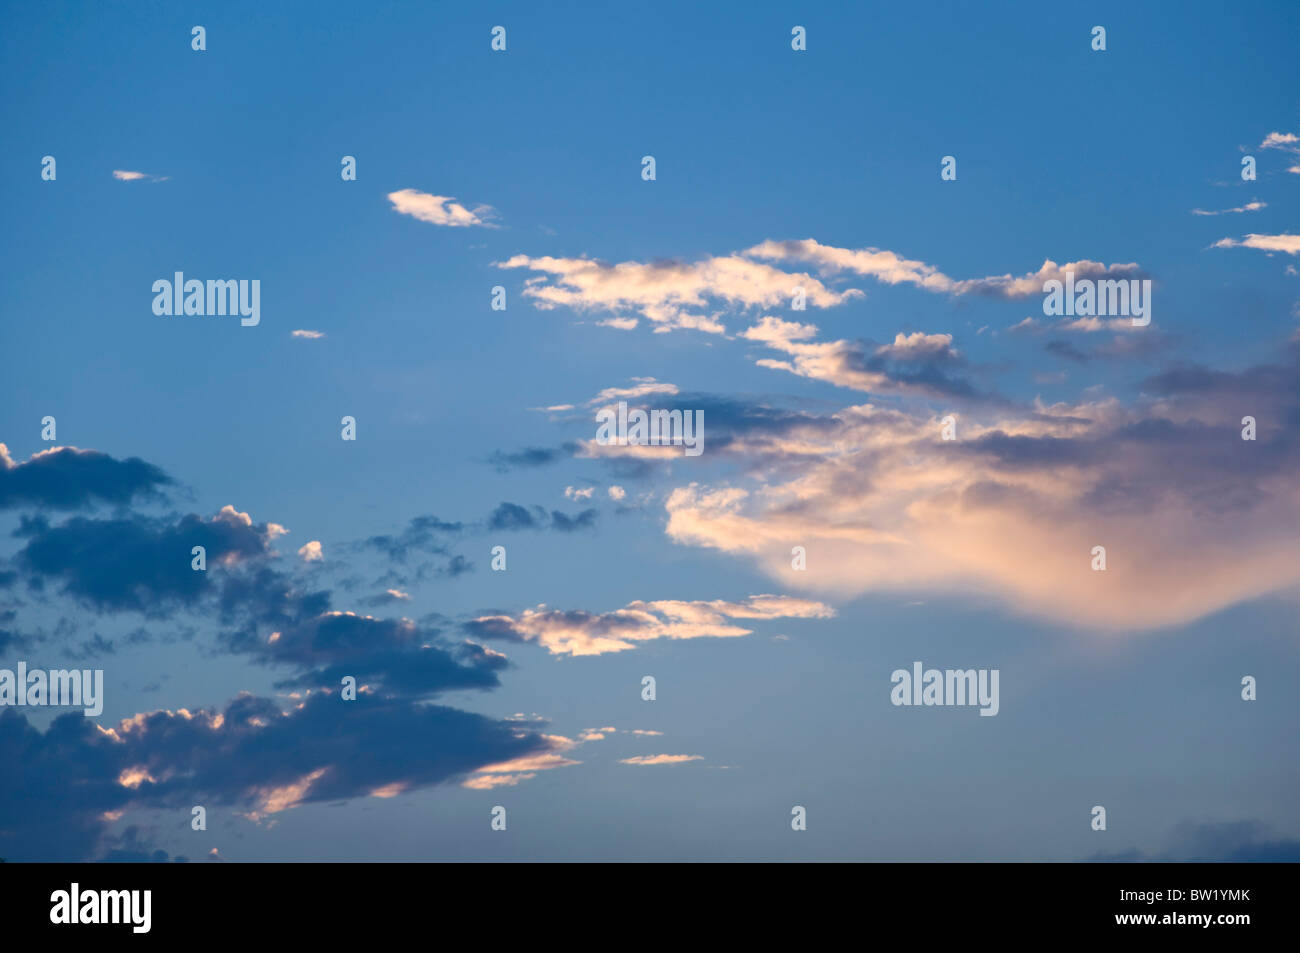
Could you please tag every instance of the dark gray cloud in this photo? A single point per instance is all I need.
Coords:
(67, 478)
(64, 786)
(1065, 349)
(138, 563)
(1213, 842)
(252, 757)
(396, 655)
(511, 516)
(505, 460)
(420, 535)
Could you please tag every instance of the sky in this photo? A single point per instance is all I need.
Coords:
(912, 463)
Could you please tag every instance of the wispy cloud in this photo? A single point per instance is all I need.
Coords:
(1248, 207)
(122, 175)
(577, 632)
(655, 759)
(1268, 243)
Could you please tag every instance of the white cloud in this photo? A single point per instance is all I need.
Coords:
(439, 209)
(1268, 243)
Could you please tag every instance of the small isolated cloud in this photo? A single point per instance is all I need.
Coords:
(651, 759)
(511, 516)
(311, 552)
(123, 175)
(505, 460)
(1248, 207)
(1287, 141)
(640, 387)
(573, 493)
(617, 492)
(309, 335)
(439, 209)
(1267, 243)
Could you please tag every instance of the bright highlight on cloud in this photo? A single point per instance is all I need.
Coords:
(578, 632)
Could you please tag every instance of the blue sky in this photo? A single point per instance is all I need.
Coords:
(773, 168)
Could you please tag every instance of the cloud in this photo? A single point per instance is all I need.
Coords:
(1012, 509)
(123, 175)
(531, 456)
(439, 209)
(679, 294)
(670, 294)
(510, 773)
(1248, 207)
(577, 632)
(394, 657)
(309, 335)
(70, 783)
(1287, 141)
(1231, 842)
(68, 478)
(510, 517)
(311, 552)
(421, 535)
(252, 756)
(640, 387)
(921, 364)
(138, 563)
(736, 426)
(890, 268)
(654, 759)
(1269, 243)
